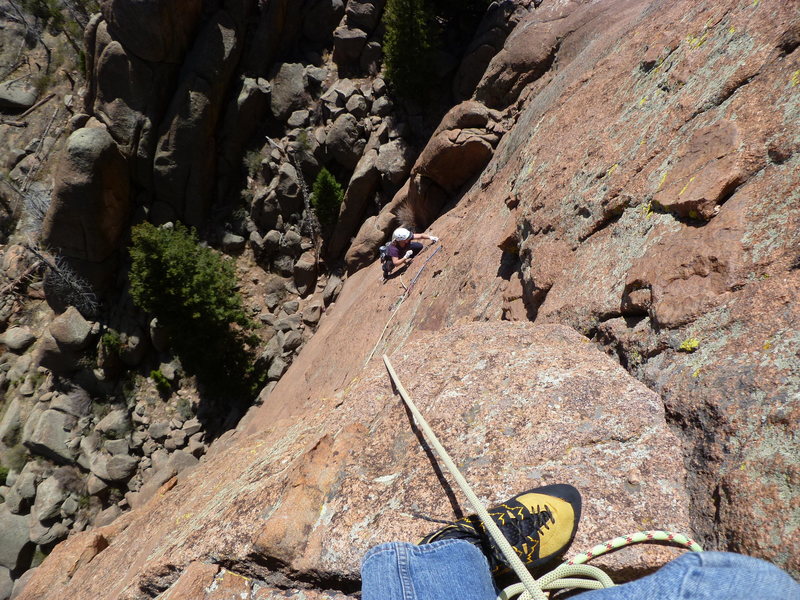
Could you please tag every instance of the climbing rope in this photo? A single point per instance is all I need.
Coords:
(402, 298)
(572, 574)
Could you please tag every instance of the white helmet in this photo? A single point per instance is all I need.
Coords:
(401, 234)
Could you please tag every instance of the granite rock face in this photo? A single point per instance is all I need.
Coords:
(517, 405)
(643, 193)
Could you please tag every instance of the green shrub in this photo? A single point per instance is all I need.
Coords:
(162, 383)
(184, 408)
(192, 291)
(252, 162)
(407, 47)
(326, 198)
(112, 341)
(3, 474)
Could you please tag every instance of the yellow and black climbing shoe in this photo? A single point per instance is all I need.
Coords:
(539, 524)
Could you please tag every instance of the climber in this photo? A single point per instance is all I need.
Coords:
(460, 560)
(402, 249)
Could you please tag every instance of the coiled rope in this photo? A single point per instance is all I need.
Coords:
(573, 573)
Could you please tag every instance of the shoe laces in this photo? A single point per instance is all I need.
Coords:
(533, 521)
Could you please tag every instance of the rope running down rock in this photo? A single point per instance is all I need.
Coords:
(563, 576)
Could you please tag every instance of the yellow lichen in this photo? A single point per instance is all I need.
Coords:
(689, 345)
(662, 180)
(691, 179)
(795, 78)
(696, 372)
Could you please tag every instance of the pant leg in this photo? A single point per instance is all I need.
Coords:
(707, 576)
(415, 247)
(443, 570)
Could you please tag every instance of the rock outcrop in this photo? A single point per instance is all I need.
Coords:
(518, 405)
(616, 173)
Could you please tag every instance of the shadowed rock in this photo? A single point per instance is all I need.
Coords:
(91, 202)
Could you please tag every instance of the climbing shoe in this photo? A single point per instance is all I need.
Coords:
(539, 524)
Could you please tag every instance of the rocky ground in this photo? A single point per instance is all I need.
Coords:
(611, 168)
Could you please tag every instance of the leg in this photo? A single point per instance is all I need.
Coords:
(443, 570)
(707, 576)
(415, 247)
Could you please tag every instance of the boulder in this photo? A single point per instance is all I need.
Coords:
(16, 96)
(6, 583)
(159, 430)
(394, 162)
(44, 535)
(192, 426)
(382, 107)
(371, 58)
(364, 14)
(22, 493)
(305, 273)
(61, 346)
(116, 447)
(232, 243)
(49, 496)
(113, 468)
(181, 460)
(91, 202)
(297, 119)
(19, 367)
(289, 91)
(357, 106)
(50, 436)
(115, 424)
(360, 192)
(11, 423)
(16, 550)
(348, 44)
(21, 583)
(460, 147)
(344, 141)
(287, 190)
(17, 339)
(292, 341)
(312, 314)
(75, 402)
(277, 368)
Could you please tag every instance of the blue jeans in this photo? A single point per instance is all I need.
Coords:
(457, 570)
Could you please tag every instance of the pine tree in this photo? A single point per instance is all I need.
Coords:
(326, 198)
(407, 47)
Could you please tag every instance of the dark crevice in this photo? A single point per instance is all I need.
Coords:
(723, 95)
(275, 573)
(606, 220)
(509, 265)
(159, 582)
(789, 42)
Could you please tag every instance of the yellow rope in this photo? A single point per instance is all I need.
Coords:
(563, 576)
